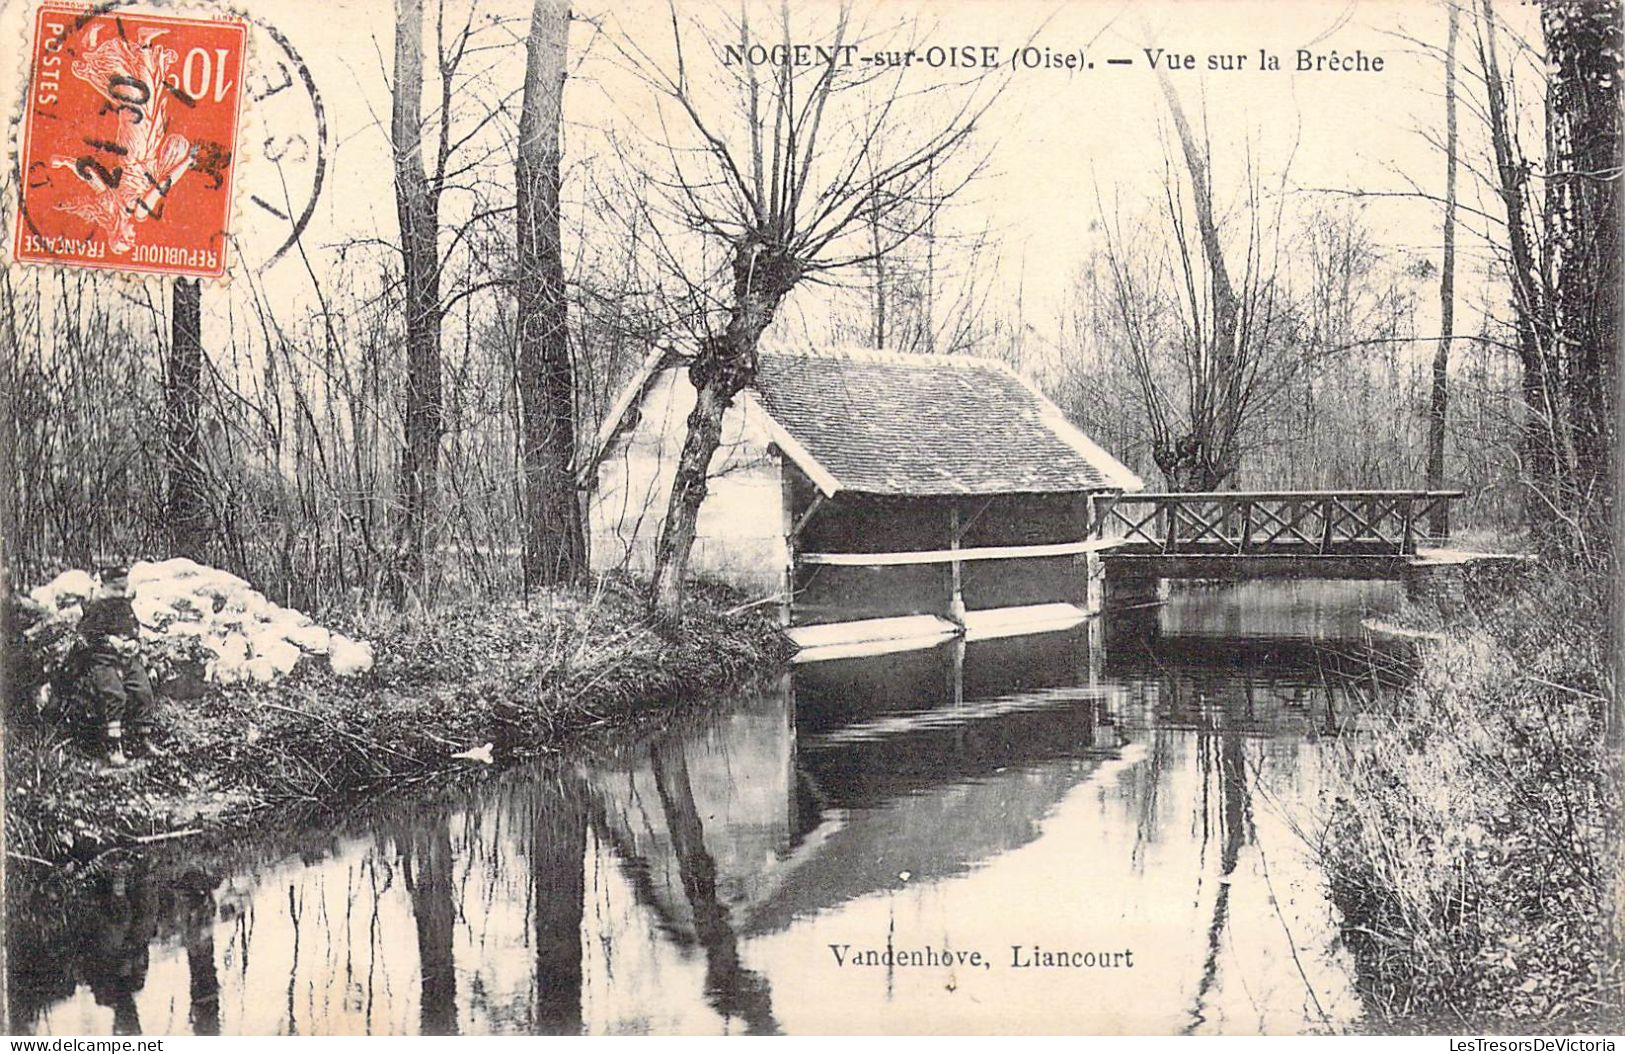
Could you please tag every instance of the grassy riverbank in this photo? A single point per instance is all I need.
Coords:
(523, 679)
(1474, 844)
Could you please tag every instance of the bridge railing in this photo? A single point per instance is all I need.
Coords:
(1263, 523)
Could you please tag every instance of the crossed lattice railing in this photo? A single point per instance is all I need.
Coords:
(1308, 523)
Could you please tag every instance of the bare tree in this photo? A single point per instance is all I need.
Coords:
(186, 507)
(555, 549)
(1233, 345)
(1585, 134)
(1439, 405)
(417, 204)
(788, 174)
(1562, 259)
(1207, 455)
(931, 295)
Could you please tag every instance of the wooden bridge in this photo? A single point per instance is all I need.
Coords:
(1246, 534)
(1141, 540)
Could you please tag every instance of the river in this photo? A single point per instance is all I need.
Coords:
(1108, 829)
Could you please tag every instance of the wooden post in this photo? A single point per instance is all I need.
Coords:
(791, 529)
(1406, 544)
(1097, 652)
(956, 596)
(1326, 526)
(1094, 583)
(1246, 526)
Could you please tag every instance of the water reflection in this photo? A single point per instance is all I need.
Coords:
(1147, 796)
(114, 953)
(203, 987)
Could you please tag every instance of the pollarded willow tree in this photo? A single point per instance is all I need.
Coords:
(1209, 344)
(797, 161)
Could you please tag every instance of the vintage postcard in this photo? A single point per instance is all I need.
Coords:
(689, 517)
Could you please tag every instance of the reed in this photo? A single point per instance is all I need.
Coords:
(1474, 842)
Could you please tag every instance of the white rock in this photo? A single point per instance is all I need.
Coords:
(349, 657)
(279, 653)
(285, 618)
(249, 601)
(153, 611)
(144, 572)
(212, 595)
(64, 590)
(248, 636)
(232, 648)
(313, 639)
(262, 670)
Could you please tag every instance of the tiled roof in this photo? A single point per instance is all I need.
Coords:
(926, 425)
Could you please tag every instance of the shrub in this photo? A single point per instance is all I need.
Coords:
(1473, 844)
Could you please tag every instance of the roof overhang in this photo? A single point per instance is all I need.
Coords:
(780, 436)
(1119, 475)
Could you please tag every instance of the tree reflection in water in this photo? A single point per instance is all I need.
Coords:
(426, 859)
(558, 836)
(732, 989)
(1234, 804)
(919, 786)
(203, 979)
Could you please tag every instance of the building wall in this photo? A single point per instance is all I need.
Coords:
(740, 534)
(858, 524)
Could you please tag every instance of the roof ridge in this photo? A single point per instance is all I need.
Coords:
(876, 355)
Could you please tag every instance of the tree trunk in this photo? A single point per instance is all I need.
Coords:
(555, 549)
(1203, 459)
(1438, 522)
(879, 324)
(1226, 306)
(763, 277)
(1542, 417)
(417, 207)
(185, 509)
(1582, 212)
(689, 487)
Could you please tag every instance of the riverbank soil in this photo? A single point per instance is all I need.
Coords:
(489, 682)
(1474, 840)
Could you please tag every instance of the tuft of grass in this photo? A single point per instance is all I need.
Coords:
(1474, 842)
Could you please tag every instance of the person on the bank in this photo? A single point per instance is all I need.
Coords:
(121, 694)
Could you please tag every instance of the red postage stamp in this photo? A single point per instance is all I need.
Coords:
(129, 140)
